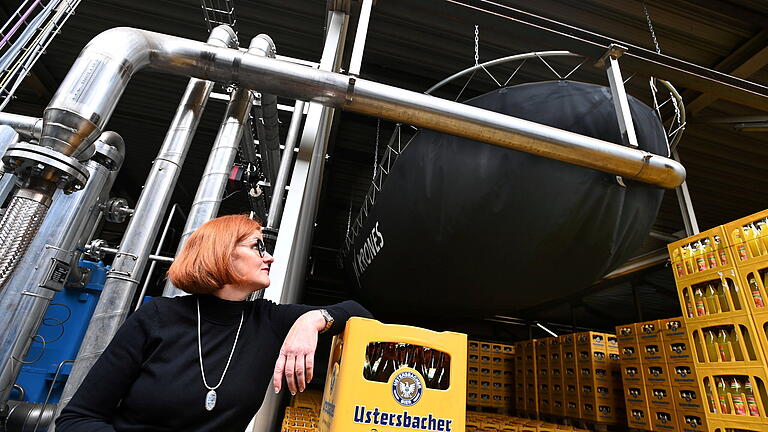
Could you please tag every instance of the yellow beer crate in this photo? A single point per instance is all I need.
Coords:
(713, 295)
(424, 390)
(753, 278)
(748, 238)
(700, 255)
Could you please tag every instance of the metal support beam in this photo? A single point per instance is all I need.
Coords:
(636, 300)
(637, 59)
(619, 95)
(360, 35)
(293, 239)
(686, 205)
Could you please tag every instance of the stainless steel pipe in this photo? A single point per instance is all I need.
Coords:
(27, 127)
(66, 227)
(213, 183)
(131, 259)
(269, 127)
(77, 111)
(278, 187)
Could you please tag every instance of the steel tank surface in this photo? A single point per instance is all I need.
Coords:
(470, 228)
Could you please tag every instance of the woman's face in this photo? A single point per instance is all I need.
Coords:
(248, 262)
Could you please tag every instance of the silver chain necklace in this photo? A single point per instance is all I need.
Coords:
(210, 397)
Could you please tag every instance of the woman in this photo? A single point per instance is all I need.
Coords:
(203, 362)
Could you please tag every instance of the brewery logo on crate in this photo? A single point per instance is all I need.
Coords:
(407, 388)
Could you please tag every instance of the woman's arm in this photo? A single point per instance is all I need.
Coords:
(302, 324)
(94, 404)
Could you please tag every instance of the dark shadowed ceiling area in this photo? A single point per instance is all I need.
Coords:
(414, 44)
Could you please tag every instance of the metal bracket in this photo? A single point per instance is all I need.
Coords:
(614, 50)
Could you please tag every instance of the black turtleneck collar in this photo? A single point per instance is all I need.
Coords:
(219, 311)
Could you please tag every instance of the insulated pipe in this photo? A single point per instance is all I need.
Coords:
(79, 111)
(269, 130)
(278, 187)
(24, 300)
(27, 127)
(217, 171)
(131, 259)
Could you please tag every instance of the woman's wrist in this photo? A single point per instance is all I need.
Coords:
(316, 319)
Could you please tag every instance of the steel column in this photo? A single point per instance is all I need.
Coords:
(292, 247)
(686, 205)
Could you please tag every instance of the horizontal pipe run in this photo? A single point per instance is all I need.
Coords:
(113, 56)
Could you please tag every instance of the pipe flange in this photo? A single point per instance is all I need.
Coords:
(116, 210)
(95, 249)
(28, 161)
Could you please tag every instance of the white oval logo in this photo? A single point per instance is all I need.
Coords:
(407, 388)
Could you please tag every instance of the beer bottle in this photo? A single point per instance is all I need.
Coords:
(698, 297)
(711, 400)
(722, 391)
(733, 338)
(722, 344)
(757, 297)
(711, 299)
(371, 360)
(751, 236)
(688, 304)
(741, 248)
(678, 262)
(444, 372)
(760, 234)
(712, 349)
(738, 401)
(388, 363)
(429, 366)
(698, 254)
(688, 259)
(722, 255)
(709, 253)
(754, 410)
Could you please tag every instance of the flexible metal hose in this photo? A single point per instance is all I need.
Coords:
(28, 416)
(18, 227)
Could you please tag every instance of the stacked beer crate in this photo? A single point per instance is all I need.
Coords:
(571, 376)
(486, 422)
(659, 375)
(490, 375)
(721, 277)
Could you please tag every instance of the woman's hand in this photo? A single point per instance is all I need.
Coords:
(297, 355)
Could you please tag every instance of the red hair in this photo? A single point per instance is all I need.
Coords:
(204, 264)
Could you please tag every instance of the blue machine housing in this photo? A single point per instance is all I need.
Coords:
(50, 357)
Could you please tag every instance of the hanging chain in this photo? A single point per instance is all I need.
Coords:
(650, 27)
(477, 44)
(376, 151)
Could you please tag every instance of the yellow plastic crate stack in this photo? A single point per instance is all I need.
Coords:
(659, 375)
(490, 375)
(484, 422)
(303, 413)
(571, 376)
(394, 378)
(721, 277)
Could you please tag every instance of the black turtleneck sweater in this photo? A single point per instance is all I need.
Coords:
(148, 379)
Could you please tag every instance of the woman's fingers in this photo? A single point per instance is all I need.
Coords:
(309, 363)
(300, 378)
(290, 372)
(277, 377)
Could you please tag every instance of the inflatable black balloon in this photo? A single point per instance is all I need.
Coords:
(470, 228)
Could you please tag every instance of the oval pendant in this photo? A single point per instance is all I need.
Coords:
(210, 400)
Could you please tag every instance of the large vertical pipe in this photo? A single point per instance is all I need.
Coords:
(219, 166)
(140, 234)
(24, 300)
(268, 128)
(304, 184)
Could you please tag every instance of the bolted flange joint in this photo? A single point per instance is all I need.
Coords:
(31, 162)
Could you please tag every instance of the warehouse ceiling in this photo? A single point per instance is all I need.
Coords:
(414, 44)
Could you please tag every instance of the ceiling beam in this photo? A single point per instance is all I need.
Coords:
(742, 63)
(637, 59)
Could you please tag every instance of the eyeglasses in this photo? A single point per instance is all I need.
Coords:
(260, 247)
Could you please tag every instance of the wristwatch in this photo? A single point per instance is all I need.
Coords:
(328, 320)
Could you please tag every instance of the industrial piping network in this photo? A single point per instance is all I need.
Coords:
(86, 99)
